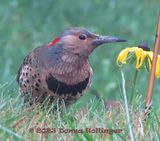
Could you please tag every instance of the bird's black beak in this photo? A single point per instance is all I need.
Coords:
(106, 39)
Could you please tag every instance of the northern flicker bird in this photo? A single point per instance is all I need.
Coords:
(60, 69)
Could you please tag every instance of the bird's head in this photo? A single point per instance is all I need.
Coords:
(82, 42)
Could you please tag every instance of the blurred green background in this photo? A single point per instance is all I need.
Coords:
(26, 24)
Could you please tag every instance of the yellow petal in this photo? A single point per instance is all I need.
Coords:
(157, 73)
(138, 53)
(123, 55)
(149, 58)
(158, 68)
(149, 62)
(150, 54)
(141, 55)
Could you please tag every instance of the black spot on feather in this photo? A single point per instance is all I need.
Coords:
(37, 85)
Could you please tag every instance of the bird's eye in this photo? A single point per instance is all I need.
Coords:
(82, 36)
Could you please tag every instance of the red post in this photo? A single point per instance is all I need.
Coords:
(153, 68)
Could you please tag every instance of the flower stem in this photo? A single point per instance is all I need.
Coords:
(127, 108)
(134, 85)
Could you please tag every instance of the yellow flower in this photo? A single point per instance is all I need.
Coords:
(141, 55)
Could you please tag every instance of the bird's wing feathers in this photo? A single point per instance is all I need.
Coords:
(31, 60)
(42, 60)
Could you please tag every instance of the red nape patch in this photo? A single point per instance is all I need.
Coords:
(56, 40)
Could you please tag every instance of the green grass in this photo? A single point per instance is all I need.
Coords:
(27, 24)
(19, 123)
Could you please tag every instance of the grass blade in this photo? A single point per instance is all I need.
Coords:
(11, 133)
